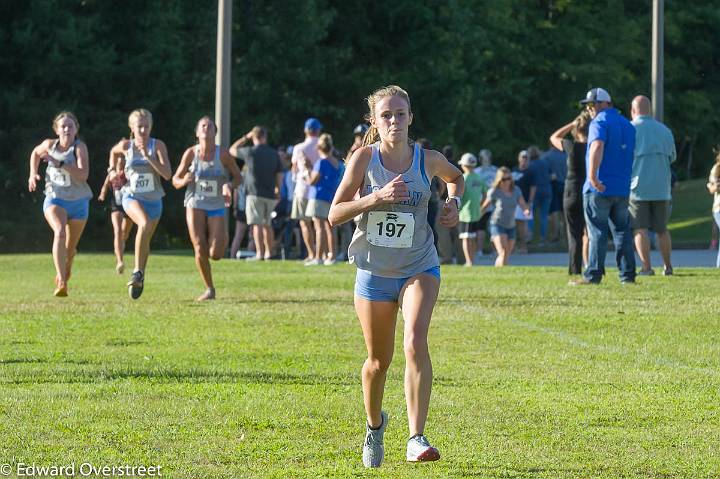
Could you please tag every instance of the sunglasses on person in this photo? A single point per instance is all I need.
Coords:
(507, 178)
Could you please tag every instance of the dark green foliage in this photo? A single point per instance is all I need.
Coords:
(501, 74)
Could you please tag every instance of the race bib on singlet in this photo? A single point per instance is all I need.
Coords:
(390, 229)
(59, 177)
(142, 182)
(207, 188)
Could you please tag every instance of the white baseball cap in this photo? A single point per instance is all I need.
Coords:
(596, 95)
(468, 159)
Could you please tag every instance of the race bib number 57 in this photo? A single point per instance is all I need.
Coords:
(390, 229)
(59, 177)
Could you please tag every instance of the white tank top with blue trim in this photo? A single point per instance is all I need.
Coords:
(143, 181)
(59, 183)
(205, 192)
(395, 240)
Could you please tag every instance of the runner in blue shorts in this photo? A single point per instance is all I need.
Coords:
(67, 194)
(144, 161)
(393, 249)
(203, 172)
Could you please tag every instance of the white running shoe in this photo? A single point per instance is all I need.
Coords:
(329, 262)
(313, 262)
(420, 450)
(373, 449)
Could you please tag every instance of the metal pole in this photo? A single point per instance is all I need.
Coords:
(658, 61)
(222, 73)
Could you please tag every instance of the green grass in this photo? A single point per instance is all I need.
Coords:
(532, 378)
(691, 219)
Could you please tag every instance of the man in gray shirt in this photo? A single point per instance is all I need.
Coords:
(263, 177)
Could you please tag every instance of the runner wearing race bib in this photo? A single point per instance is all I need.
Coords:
(143, 161)
(393, 248)
(203, 172)
(111, 191)
(67, 194)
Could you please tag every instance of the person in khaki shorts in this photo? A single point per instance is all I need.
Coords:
(304, 157)
(263, 177)
(650, 196)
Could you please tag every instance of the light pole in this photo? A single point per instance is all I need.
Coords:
(222, 73)
(658, 61)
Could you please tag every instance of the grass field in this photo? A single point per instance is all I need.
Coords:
(691, 219)
(532, 378)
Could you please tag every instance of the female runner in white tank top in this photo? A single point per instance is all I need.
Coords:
(67, 194)
(144, 161)
(393, 177)
(203, 171)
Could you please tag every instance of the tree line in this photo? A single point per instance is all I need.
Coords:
(498, 74)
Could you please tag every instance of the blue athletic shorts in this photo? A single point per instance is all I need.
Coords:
(379, 288)
(497, 230)
(76, 209)
(214, 213)
(153, 209)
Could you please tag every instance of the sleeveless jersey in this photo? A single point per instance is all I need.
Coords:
(59, 183)
(205, 193)
(395, 240)
(143, 181)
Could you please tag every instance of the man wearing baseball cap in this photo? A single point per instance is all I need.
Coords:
(608, 160)
(304, 156)
(469, 225)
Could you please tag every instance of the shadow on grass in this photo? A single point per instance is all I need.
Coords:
(182, 376)
(505, 472)
(41, 361)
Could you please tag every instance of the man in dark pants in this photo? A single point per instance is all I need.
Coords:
(611, 144)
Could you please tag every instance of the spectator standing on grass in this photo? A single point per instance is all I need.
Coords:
(713, 187)
(521, 178)
(506, 197)
(447, 237)
(609, 159)
(650, 185)
(572, 195)
(557, 161)
(540, 191)
(240, 217)
(473, 196)
(263, 177)
(397, 261)
(324, 179)
(67, 194)
(302, 153)
(487, 172)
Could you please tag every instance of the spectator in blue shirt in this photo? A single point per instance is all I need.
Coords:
(540, 191)
(324, 180)
(650, 196)
(609, 159)
(557, 161)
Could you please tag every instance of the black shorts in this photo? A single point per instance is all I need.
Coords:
(484, 221)
(468, 230)
(240, 216)
(114, 205)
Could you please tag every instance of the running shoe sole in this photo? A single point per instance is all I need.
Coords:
(430, 455)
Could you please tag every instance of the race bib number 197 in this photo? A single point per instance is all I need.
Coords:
(390, 229)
